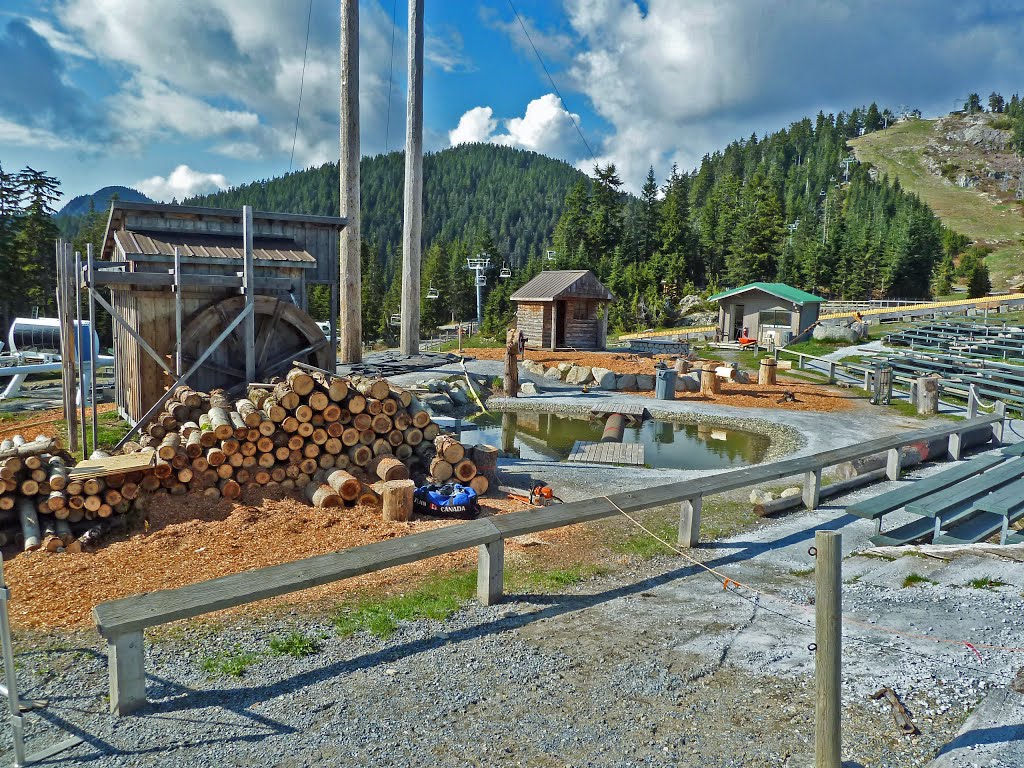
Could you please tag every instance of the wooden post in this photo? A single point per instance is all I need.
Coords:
(828, 607)
(177, 312)
(709, 385)
(410, 337)
(766, 373)
(893, 460)
(249, 291)
(955, 446)
(126, 659)
(79, 351)
(490, 574)
(831, 373)
(1000, 426)
(689, 522)
(972, 402)
(812, 488)
(927, 396)
(93, 334)
(348, 173)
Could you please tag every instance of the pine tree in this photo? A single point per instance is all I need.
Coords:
(35, 238)
(754, 252)
(979, 284)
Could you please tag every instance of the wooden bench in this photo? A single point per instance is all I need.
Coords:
(992, 514)
(875, 508)
(121, 622)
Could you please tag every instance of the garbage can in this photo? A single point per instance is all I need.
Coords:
(665, 383)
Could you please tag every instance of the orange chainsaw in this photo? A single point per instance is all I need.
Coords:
(539, 496)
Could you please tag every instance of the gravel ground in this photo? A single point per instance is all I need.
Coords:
(654, 665)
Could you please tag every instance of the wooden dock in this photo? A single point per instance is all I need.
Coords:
(637, 410)
(607, 453)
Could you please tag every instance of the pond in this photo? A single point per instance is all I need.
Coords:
(667, 444)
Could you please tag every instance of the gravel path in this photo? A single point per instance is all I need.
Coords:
(654, 665)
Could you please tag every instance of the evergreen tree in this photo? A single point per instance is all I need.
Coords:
(873, 119)
(996, 103)
(35, 238)
(754, 252)
(979, 284)
(973, 104)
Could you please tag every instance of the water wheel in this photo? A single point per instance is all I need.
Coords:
(283, 333)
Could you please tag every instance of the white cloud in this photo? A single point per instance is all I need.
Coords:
(180, 183)
(58, 40)
(15, 134)
(476, 125)
(545, 127)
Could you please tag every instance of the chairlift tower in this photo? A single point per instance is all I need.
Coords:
(479, 265)
(846, 163)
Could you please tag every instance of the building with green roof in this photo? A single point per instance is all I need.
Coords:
(766, 310)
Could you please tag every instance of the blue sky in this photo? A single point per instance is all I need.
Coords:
(181, 96)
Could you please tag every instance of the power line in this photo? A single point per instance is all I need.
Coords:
(552, 81)
(302, 81)
(391, 77)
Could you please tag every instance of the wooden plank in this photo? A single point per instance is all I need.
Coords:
(978, 528)
(936, 504)
(874, 508)
(607, 453)
(626, 409)
(117, 617)
(112, 465)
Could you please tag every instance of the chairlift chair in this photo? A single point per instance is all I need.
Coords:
(505, 272)
(395, 320)
(432, 292)
(551, 255)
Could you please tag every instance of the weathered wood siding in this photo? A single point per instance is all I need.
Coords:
(534, 319)
(582, 323)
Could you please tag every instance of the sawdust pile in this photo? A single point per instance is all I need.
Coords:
(809, 397)
(620, 362)
(194, 538)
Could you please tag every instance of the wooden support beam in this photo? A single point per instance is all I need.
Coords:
(828, 617)
(146, 280)
(249, 291)
(413, 221)
(812, 488)
(127, 672)
(177, 312)
(689, 522)
(348, 167)
(490, 575)
(893, 459)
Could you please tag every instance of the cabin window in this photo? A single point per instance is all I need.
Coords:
(777, 317)
(583, 310)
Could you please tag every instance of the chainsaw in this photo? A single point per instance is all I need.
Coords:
(539, 496)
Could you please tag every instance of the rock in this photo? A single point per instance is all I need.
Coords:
(742, 377)
(528, 388)
(532, 366)
(603, 378)
(824, 332)
(687, 383)
(578, 374)
(438, 403)
(563, 368)
(757, 496)
(789, 493)
(687, 304)
(626, 382)
(644, 382)
(459, 395)
(553, 373)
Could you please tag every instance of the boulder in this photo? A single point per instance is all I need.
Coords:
(578, 374)
(825, 332)
(459, 395)
(626, 382)
(789, 493)
(563, 368)
(644, 382)
(527, 388)
(603, 378)
(742, 377)
(687, 383)
(532, 366)
(553, 373)
(438, 403)
(758, 496)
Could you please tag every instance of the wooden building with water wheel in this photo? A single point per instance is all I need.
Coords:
(290, 254)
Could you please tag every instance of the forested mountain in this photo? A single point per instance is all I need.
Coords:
(100, 200)
(514, 195)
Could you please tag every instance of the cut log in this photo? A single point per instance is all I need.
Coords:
(322, 495)
(387, 467)
(169, 446)
(381, 424)
(36, 447)
(344, 484)
(450, 449)
(249, 413)
(465, 470)
(58, 473)
(480, 484)
(414, 436)
(29, 524)
(356, 403)
(486, 459)
(300, 382)
(375, 388)
(229, 489)
(440, 469)
(396, 500)
(360, 455)
(221, 422)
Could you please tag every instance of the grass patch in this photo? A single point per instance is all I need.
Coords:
(295, 644)
(802, 572)
(551, 580)
(816, 347)
(476, 342)
(914, 579)
(110, 428)
(437, 599)
(233, 663)
(985, 582)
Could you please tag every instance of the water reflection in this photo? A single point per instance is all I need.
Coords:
(668, 444)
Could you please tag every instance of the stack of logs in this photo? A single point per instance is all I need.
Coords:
(339, 441)
(40, 504)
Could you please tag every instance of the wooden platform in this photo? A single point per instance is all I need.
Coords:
(607, 453)
(626, 409)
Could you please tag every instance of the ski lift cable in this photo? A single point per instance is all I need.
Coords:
(302, 80)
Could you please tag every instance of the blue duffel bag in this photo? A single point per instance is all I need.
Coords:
(450, 500)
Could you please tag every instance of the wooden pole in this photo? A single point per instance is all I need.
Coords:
(410, 336)
(348, 167)
(249, 291)
(93, 336)
(828, 610)
(79, 352)
(177, 313)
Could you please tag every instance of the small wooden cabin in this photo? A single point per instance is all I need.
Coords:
(766, 309)
(563, 308)
(290, 253)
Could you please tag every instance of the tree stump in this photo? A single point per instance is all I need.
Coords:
(396, 500)
(709, 386)
(766, 373)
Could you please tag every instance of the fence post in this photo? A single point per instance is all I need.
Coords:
(1000, 426)
(892, 464)
(828, 609)
(812, 488)
(689, 522)
(490, 574)
(972, 402)
(831, 373)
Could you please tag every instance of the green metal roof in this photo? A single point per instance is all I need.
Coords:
(781, 290)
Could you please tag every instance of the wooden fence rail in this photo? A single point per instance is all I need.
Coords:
(121, 622)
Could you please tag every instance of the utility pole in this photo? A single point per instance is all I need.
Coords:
(411, 246)
(478, 266)
(348, 173)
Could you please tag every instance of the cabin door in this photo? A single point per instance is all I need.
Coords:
(737, 321)
(559, 324)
